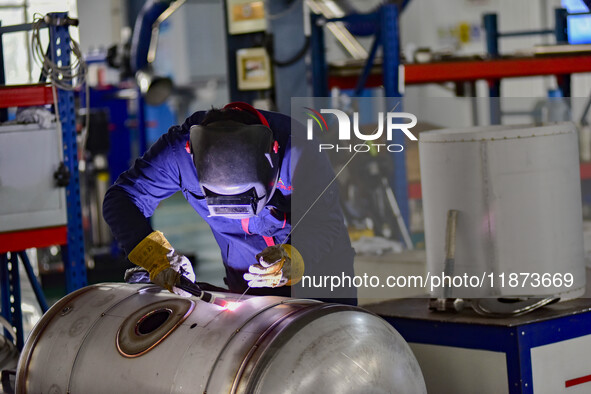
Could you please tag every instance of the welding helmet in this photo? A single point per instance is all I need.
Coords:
(237, 164)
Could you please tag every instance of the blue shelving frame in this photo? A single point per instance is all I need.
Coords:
(386, 25)
(73, 250)
(490, 22)
(74, 263)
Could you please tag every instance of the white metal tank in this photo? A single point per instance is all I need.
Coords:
(517, 191)
(122, 338)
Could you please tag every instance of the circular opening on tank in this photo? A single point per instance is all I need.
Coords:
(150, 322)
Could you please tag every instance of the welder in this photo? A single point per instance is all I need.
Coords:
(237, 167)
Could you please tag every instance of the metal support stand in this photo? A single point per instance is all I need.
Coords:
(561, 33)
(11, 295)
(73, 252)
(3, 111)
(34, 282)
(10, 290)
(389, 18)
(387, 35)
(494, 85)
(377, 41)
(319, 66)
(141, 123)
(492, 46)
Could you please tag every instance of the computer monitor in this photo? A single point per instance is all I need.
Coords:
(578, 26)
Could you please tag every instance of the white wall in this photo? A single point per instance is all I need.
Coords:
(100, 23)
(192, 50)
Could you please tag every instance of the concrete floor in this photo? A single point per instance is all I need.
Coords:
(190, 235)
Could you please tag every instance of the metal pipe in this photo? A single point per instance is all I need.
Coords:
(368, 65)
(450, 248)
(399, 219)
(34, 282)
(525, 33)
(329, 10)
(15, 299)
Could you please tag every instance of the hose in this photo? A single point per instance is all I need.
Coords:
(64, 77)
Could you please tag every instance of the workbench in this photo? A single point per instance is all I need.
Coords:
(546, 351)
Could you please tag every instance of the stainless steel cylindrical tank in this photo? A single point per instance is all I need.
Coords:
(122, 338)
(517, 193)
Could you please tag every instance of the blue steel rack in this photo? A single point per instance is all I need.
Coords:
(73, 245)
(514, 337)
(492, 45)
(386, 22)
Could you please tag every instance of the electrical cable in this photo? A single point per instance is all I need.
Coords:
(268, 40)
(286, 11)
(284, 63)
(63, 77)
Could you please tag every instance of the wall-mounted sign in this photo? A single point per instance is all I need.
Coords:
(246, 16)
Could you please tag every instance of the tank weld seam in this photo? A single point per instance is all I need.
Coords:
(471, 139)
(223, 349)
(36, 334)
(90, 328)
(306, 314)
(257, 343)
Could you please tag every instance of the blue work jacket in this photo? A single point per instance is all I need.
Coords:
(167, 167)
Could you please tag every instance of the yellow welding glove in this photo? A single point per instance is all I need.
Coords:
(278, 265)
(165, 266)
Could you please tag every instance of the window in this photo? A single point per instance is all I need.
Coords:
(19, 66)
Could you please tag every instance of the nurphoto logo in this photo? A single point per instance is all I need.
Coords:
(394, 122)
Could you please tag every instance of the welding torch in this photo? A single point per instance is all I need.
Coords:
(185, 284)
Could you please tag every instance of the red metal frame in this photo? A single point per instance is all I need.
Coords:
(585, 170)
(496, 69)
(577, 381)
(414, 191)
(472, 70)
(36, 238)
(25, 95)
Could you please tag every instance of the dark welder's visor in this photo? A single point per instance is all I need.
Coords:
(241, 204)
(237, 167)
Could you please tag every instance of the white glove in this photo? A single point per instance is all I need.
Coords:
(278, 265)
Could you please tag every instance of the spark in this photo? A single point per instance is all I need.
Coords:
(232, 306)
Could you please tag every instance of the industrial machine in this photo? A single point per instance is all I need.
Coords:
(129, 338)
(516, 194)
(33, 196)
